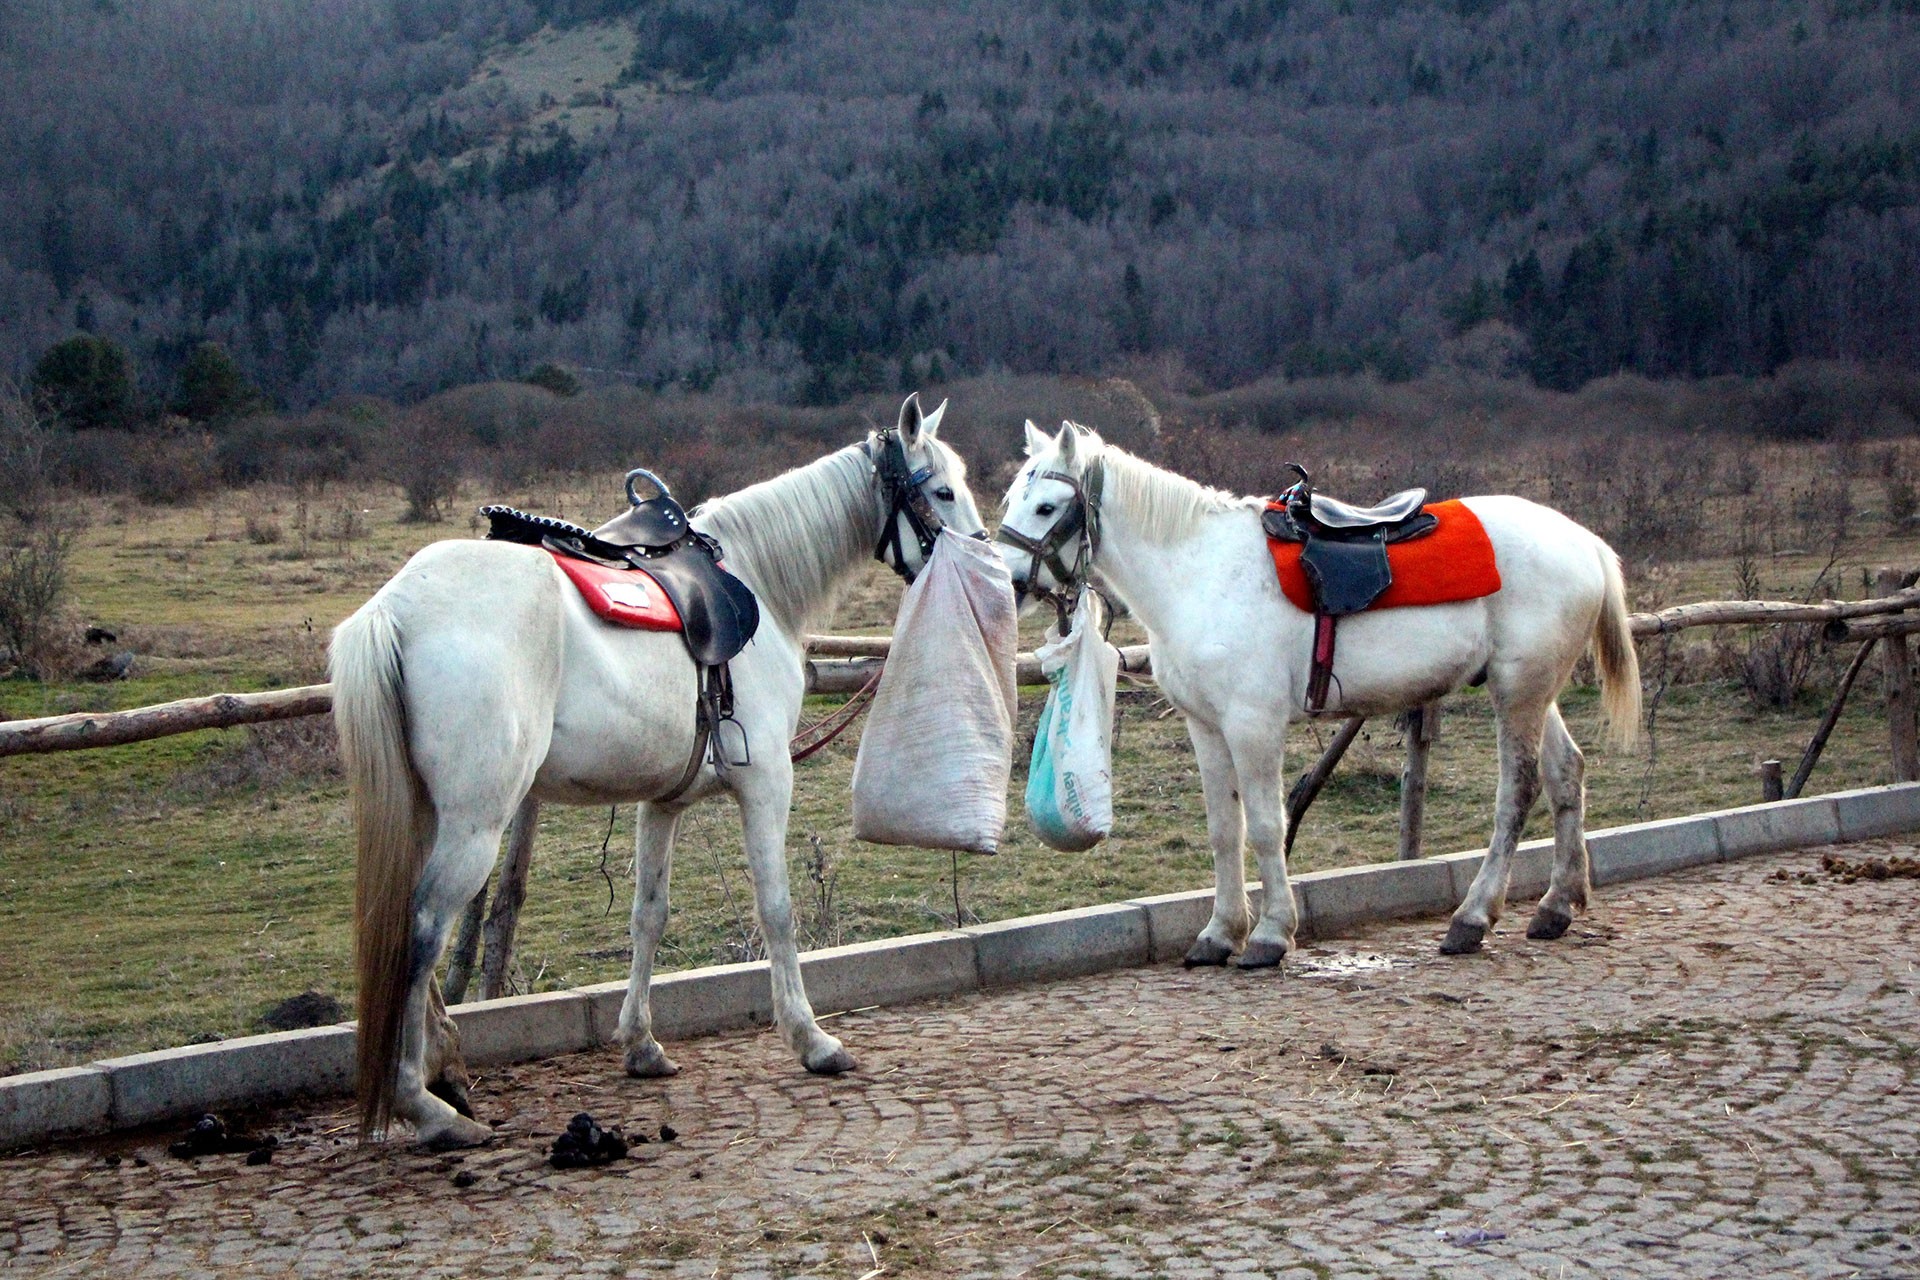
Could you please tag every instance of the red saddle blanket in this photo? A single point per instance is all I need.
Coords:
(624, 597)
(1454, 562)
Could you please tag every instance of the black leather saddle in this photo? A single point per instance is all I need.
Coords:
(1345, 558)
(718, 612)
(1346, 546)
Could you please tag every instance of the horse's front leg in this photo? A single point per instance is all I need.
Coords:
(1257, 755)
(766, 795)
(1226, 832)
(654, 829)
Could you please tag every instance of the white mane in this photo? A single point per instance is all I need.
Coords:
(1160, 505)
(794, 537)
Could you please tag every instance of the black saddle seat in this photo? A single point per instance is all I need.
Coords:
(718, 612)
(1333, 514)
(1316, 517)
(655, 523)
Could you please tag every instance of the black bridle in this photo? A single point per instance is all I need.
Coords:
(905, 488)
(1078, 525)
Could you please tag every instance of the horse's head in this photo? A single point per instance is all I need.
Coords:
(925, 486)
(1051, 527)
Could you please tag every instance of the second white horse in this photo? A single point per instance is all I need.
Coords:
(1233, 654)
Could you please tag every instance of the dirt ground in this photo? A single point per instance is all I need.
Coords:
(1712, 1075)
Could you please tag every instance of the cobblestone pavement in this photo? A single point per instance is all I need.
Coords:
(1713, 1075)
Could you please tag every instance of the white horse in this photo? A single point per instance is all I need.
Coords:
(1232, 653)
(477, 678)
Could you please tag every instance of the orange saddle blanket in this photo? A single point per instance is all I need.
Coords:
(624, 597)
(1454, 562)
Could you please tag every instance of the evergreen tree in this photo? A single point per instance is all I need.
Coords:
(85, 381)
(212, 386)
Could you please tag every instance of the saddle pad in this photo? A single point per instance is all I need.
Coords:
(624, 597)
(1454, 562)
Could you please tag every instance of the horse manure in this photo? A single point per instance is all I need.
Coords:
(464, 1179)
(668, 1133)
(210, 1136)
(1895, 868)
(308, 1009)
(586, 1143)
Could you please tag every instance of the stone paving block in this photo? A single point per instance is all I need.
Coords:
(1650, 848)
(1769, 828)
(890, 971)
(1333, 901)
(516, 1028)
(1061, 944)
(1878, 811)
(44, 1104)
(199, 1077)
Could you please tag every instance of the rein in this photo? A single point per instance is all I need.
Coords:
(905, 497)
(1079, 525)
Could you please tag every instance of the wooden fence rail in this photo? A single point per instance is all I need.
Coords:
(842, 664)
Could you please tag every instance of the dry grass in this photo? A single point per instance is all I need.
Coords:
(172, 890)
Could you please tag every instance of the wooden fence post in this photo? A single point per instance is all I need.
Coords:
(1304, 790)
(1422, 726)
(1897, 662)
(466, 949)
(496, 965)
(1772, 785)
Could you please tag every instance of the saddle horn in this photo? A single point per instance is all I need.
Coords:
(660, 486)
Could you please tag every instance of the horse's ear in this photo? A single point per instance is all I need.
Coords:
(930, 425)
(1036, 439)
(1067, 445)
(911, 419)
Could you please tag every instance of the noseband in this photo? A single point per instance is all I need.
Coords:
(904, 488)
(1078, 525)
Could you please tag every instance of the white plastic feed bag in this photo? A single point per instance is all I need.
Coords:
(1070, 778)
(937, 753)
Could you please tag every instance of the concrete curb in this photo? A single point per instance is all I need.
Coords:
(120, 1093)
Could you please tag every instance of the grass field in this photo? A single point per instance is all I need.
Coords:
(172, 891)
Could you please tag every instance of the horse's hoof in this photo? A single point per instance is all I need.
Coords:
(456, 1133)
(1205, 951)
(454, 1094)
(1262, 955)
(836, 1063)
(1549, 924)
(650, 1062)
(1463, 939)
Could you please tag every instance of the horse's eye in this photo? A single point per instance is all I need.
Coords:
(943, 493)
(1044, 509)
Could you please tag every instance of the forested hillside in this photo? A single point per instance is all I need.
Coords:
(799, 201)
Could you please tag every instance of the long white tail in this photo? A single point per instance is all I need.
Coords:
(1619, 663)
(393, 832)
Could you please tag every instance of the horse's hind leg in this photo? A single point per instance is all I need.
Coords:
(1564, 770)
(463, 855)
(1520, 728)
(1227, 833)
(655, 826)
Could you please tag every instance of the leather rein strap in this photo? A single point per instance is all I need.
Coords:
(905, 498)
(1078, 525)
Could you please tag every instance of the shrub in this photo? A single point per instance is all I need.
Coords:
(33, 586)
(25, 487)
